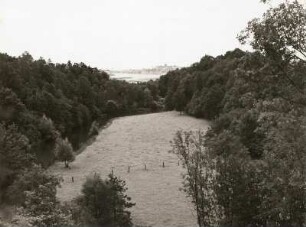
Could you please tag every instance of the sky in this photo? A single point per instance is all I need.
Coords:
(124, 34)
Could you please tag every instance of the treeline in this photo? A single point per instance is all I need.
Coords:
(47, 109)
(249, 168)
(199, 89)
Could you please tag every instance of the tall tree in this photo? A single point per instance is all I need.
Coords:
(199, 178)
(281, 36)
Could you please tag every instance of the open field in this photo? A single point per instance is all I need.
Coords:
(137, 141)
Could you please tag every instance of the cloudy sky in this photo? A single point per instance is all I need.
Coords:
(120, 34)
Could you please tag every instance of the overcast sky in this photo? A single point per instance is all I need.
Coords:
(120, 34)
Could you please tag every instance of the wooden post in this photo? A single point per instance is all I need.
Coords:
(163, 164)
(145, 166)
(72, 179)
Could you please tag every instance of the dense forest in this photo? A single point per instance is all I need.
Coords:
(47, 111)
(247, 170)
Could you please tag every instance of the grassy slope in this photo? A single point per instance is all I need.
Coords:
(135, 141)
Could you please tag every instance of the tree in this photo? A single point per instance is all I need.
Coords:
(47, 129)
(180, 99)
(104, 202)
(148, 99)
(29, 180)
(34, 192)
(10, 105)
(281, 36)
(14, 155)
(237, 179)
(64, 151)
(112, 107)
(199, 181)
(284, 166)
(14, 148)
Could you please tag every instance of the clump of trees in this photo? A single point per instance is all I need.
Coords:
(14, 156)
(103, 203)
(34, 193)
(254, 152)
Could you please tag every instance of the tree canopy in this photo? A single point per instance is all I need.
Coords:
(256, 101)
(104, 202)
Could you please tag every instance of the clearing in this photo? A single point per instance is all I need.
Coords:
(138, 141)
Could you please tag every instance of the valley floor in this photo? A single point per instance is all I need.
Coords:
(138, 141)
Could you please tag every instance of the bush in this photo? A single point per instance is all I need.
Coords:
(103, 203)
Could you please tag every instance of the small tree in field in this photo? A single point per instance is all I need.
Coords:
(104, 203)
(64, 151)
(199, 180)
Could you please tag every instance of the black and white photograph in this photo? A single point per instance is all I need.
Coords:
(152, 113)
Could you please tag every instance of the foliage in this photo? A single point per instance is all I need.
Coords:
(198, 182)
(64, 151)
(199, 89)
(104, 202)
(249, 171)
(35, 192)
(14, 155)
(28, 180)
(280, 34)
(42, 102)
(257, 136)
